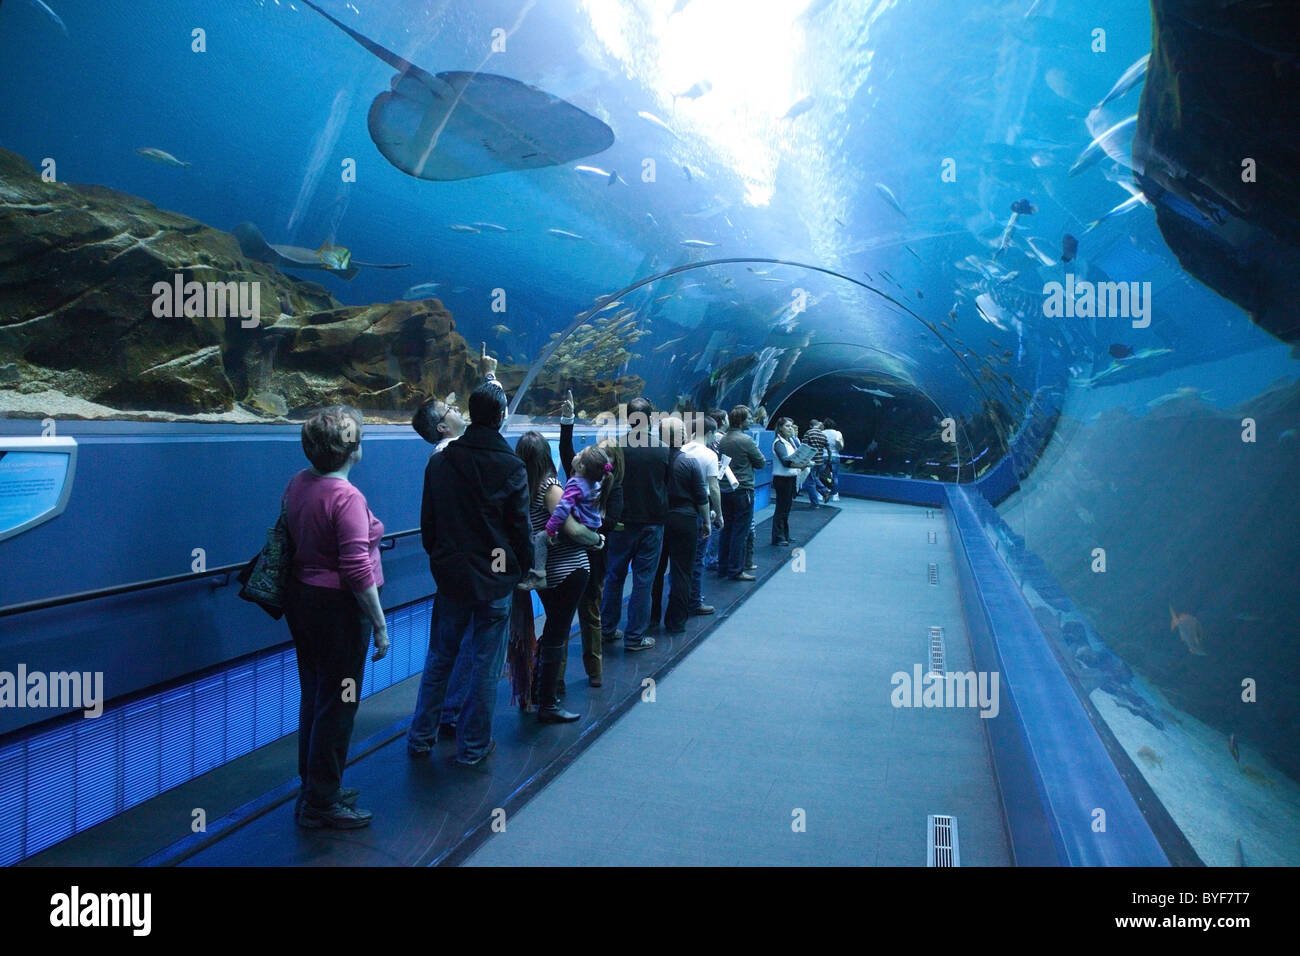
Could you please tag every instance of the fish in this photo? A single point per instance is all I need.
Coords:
(872, 391)
(1232, 748)
(655, 121)
(1150, 757)
(610, 305)
(915, 253)
(334, 257)
(695, 92)
(686, 171)
(888, 195)
(1069, 247)
(1127, 80)
(649, 217)
(1189, 630)
(461, 227)
(1115, 138)
(1120, 351)
(799, 107)
(422, 291)
(698, 243)
(665, 298)
(1039, 253)
(44, 8)
(489, 227)
(772, 279)
(462, 124)
(1239, 854)
(254, 246)
(668, 344)
(920, 294)
(1023, 207)
(160, 156)
(990, 311)
(565, 234)
(458, 290)
(1128, 205)
(1256, 775)
(502, 330)
(595, 171)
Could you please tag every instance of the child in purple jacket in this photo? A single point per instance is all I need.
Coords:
(584, 498)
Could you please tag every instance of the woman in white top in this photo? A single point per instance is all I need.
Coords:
(835, 441)
(785, 479)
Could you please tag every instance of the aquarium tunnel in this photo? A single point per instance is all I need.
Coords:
(1033, 264)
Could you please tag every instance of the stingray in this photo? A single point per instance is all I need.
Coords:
(457, 125)
(254, 245)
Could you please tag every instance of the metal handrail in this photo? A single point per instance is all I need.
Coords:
(386, 543)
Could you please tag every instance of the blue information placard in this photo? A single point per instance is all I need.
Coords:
(35, 481)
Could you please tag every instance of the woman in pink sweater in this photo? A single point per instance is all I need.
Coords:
(333, 594)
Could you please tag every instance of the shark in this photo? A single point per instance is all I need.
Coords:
(330, 258)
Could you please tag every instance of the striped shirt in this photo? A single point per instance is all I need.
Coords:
(564, 555)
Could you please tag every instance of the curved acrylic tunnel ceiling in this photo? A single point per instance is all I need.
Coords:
(786, 323)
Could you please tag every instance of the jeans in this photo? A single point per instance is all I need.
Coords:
(697, 570)
(637, 544)
(811, 486)
(783, 485)
(833, 469)
(710, 553)
(737, 514)
(330, 637)
(484, 649)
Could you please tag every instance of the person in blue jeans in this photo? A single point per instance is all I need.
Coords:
(475, 528)
(645, 505)
(738, 505)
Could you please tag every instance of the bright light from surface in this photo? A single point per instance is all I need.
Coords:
(747, 50)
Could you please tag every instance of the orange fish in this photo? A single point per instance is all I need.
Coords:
(1189, 629)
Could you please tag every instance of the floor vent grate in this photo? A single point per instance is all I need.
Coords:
(936, 650)
(934, 573)
(941, 841)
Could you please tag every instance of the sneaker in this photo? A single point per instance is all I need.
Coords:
(780, 544)
(744, 577)
(835, 497)
(492, 745)
(611, 638)
(337, 816)
(751, 567)
(703, 609)
(642, 645)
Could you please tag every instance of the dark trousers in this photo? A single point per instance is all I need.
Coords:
(561, 603)
(331, 636)
(681, 544)
(589, 615)
(737, 514)
(784, 486)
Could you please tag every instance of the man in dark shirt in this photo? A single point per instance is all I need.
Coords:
(475, 527)
(738, 505)
(645, 504)
(686, 524)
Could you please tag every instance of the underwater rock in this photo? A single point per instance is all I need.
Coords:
(78, 266)
(1215, 153)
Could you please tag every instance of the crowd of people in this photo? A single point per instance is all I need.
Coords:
(668, 500)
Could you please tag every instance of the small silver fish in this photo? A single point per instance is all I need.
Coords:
(888, 195)
(698, 243)
(422, 291)
(799, 107)
(610, 178)
(565, 234)
(489, 227)
(655, 121)
(159, 156)
(461, 227)
(1128, 79)
(1095, 150)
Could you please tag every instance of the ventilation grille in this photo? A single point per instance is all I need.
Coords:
(936, 650)
(932, 537)
(941, 841)
(55, 783)
(934, 573)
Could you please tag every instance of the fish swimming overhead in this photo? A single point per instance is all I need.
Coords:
(458, 125)
(1069, 247)
(695, 92)
(489, 227)
(461, 227)
(799, 107)
(698, 244)
(45, 9)
(1116, 139)
(871, 391)
(254, 245)
(1039, 252)
(422, 291)
(565, 234)
(334, 257)
(610, 178)
(1189, 630)
(655, 121)
(1120, 351)
(159, 156)
(1232, 748)
(888, 195)
(1128, 79)
(1127, 206)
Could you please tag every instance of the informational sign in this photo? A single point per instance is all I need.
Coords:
(35, 481)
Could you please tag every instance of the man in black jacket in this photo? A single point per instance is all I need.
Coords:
(475, 527)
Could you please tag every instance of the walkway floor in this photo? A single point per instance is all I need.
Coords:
(782, 716)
